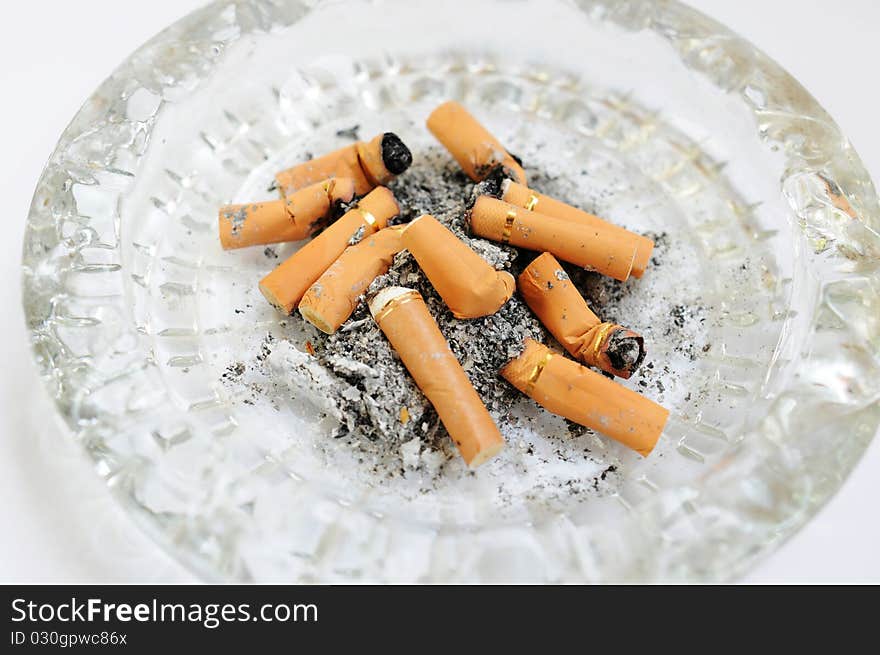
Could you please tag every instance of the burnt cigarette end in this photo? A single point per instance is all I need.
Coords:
(626, 351)
(396, 156)
(492, 184)
(337, 210)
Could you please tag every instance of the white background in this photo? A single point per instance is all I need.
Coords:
(58, 523)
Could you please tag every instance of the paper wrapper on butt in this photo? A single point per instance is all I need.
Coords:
(339, 163)
(369, 164)
(549, 292)
(522, 196)
(566, 388)
(276, 221)
(590, 248)
(471, 144)
(331, 300)
(284, 287)
(402, 315)
(469, 286)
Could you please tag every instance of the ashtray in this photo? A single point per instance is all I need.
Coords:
(761, 308)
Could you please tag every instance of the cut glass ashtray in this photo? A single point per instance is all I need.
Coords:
(761, 309)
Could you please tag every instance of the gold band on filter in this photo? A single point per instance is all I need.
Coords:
(590, 248)
(424, 351)
(601, 335)
(536, 372)
(396, 302)
(565, 388)
(369, 219)
(521, 196)
(556, 301)
(285, 286)
(508, 226)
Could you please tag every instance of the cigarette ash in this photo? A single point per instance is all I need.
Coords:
(376, 416)
(352, 133)
(358, 236)
(391, 410)
(237, 218)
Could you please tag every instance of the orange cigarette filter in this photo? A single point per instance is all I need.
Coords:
(522, 196)
(550, 293)
(369, 164)
(404, 318)
(471, 144)
(566, 388)
(290, 219)
(284, 287)
(469, 286)
(588, 247)
(331, 300)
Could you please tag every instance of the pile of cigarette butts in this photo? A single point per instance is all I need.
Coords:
(340, 198)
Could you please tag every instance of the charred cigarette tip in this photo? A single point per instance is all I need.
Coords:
(493, 185)
(626, 352)
(476, 150)
(568, 389)
(396, 156)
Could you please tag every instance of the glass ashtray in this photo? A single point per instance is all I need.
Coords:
(761, 309)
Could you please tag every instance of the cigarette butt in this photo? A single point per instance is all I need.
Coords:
(547, 289)
(284, 287)
(471, 144)
(333, 297)
(568, 389)
(290, 219)
(591, 248)
(522, 196)
(339, 163)
(469, 286)
(369, 164)
(404, 318)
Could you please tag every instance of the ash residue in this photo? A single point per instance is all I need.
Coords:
(352, 133)
(234, 371)
(625, 352)
(358, 236)
(374, 410)
(237, 218)
(360, 356)
(491, 186)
